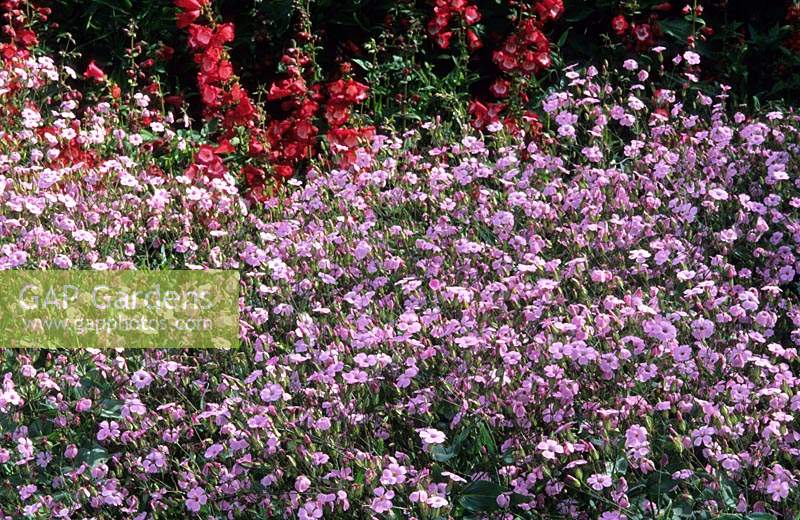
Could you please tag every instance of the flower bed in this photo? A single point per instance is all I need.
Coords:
(598, 321)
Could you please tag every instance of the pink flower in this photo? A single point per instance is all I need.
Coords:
(382, 501)
(272, 392)
(630, 65)
(599, 481)
(431, 436)
(195, 499)
(550, 449)
(108, 430)
(141, 379)
(27, 491)
(702, 329)
(503, 500)
(636, 437)
(692, 58)
(213, 451)
(71, 451)
(302, 483)
(310, 511)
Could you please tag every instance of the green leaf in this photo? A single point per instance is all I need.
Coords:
(442, 453)
(678, 29)
(729, 492)
(111, 408)
(761, 516)
(93, 456)
(480, 496)
(363, 64)
(681, 511)
(563, 38)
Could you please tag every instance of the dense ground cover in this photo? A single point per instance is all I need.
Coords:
(591, 312)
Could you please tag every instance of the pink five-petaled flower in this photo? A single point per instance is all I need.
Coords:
(141, 379)
(108, 430)
(195, 499)
(550, 449)
(382, 501)
(302, 483)
(431, 436)
(598, 481)
(702, 329)
(310, 511)
(213, 451)
(272, 392)
(636, 437)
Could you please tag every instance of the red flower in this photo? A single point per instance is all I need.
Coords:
(643, 32)
(473, 42)
(505, 61)
(94, 72)
(185, 19)
(190, 5)
(336, 114)
(549, 9)
(206, 155)
(305, 130)
(199, 36)
(472, 15)
(253, 176)
(443, 39)
(224, 34)
(210, 94)
(284, 170)
(224, 147)
(620, 25)
(27, 37)
(500, 88)
(356, 92)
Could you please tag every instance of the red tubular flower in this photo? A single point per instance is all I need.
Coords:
(479, 113)
(443, 39)
(27, 37)
(190, 5)
(224, 34)
(549, 10)
(224, 147)
(620, 25)
(94, 72)
(500, 88)
(253, 176)
(199, 36)
(305, 131)
(505, 61)
(185, 19)
(473, 42)
(336, 114)
(355, 92)
(472, 15)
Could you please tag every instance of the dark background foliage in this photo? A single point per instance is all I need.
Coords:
(748, 45)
